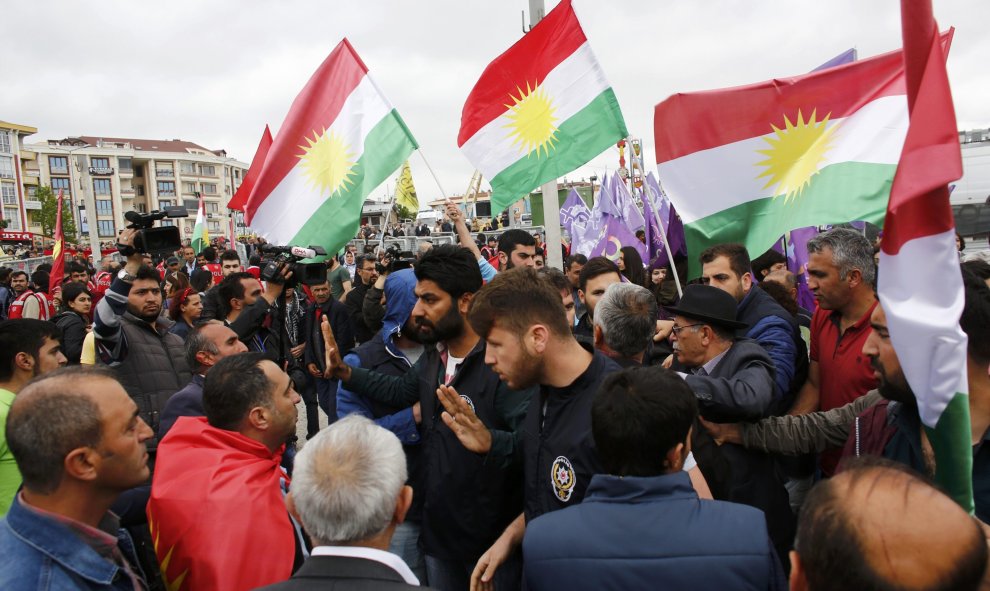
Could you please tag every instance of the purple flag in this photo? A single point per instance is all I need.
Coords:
(846, 57)
(797, 263)
(629, 212)
(654, 240)
(574, 211)
(614, 236)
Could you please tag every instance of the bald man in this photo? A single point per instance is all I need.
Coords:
(877, 525)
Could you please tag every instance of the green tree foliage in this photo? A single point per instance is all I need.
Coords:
(49, 208)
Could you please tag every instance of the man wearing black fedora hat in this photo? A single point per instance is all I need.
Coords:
(733, 379)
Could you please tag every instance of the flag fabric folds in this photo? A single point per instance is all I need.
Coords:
(340, 140)
(200, 235)
(614, 230)
(919, 241)
(656, 205)
(815, 149)
(217, 515)
(574, 215)
(405, 191)
(240, 198)
(540, 110)
(58, 251)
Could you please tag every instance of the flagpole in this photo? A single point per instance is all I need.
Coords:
(666, 244)
(430, 168)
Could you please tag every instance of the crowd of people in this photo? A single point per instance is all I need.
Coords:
(494, 423)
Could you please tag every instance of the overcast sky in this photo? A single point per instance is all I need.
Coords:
(215, 72)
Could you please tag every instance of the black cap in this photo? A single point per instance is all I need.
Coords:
(711, 304)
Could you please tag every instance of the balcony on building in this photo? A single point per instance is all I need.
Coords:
(165, 172)
(100, 170)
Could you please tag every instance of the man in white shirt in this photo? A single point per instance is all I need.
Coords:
(349, 491)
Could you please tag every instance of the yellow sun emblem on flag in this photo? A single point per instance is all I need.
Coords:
(795, 154)
(327, 162)
(532, 120)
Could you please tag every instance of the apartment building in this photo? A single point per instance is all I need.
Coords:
(124, 174)
(14, 183)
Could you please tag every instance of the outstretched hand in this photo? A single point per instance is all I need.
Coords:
(463, 421)
(335, 366)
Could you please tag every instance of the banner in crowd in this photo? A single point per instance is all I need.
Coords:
(919, 241)
(405, 191)
(613, 229)
(58, 251)
(340, 140)
(814, 149)
(540, 110)
(240, 198)
(657, 206)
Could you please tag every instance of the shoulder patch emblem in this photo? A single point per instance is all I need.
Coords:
(562, 478)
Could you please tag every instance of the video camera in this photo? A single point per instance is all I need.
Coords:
(305, 273)
(153, 240)
(397, 260)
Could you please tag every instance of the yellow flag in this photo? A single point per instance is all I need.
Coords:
(405, 192)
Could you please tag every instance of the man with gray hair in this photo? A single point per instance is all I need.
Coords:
(841, 275)
(349, 492)
(625, 321)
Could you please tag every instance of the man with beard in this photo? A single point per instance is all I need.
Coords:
(392, 351)
(595, 277)
(217, 508)
(886, 420)
(366, 276)
(516, 248)
(29, 303)
(28, 348)
(133, 339)
(469, 498)
(521, 315)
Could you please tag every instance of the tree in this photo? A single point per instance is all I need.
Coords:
(49, 209)
(404, 212)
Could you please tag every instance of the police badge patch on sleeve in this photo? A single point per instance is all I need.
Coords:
(562, 478)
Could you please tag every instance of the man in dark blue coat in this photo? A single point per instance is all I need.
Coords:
(641, 525)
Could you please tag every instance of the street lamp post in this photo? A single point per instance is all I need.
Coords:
(89, 206)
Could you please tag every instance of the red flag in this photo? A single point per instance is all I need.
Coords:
(58, 251)
(216, 512)
(240, 198)
(919, 241)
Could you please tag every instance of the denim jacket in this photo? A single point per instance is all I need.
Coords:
(37, 553)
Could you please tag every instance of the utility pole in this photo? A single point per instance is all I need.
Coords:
(551, 207)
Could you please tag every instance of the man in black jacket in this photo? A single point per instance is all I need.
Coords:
(325, 306)
(469, 498)
(365, 276)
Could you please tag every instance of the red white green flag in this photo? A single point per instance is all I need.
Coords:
(240, 198)
(340, 140)
(540, 110)
(58, 251)
(919, 241)
(200, 235)
(748, 164)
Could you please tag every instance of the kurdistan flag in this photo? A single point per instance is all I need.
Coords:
(919, 241)
(340, 140)
(747, 164)
(540, 110)
(405, 191)
(200, 236)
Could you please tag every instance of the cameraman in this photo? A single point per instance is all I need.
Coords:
(246, 307)
(134, 339)
(315, 351)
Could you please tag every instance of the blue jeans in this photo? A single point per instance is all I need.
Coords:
(405, 545)
(326, 394)
(454, 575)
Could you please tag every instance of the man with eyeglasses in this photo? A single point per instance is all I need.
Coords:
(733, 379)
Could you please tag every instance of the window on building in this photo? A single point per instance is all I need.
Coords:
(101, 186)
(13, 218)
(6, 167)
(140, 207)
(164, 169)
(60, 183)
(187, 168)
(166, 188)
(139, 172)
(163, 203)
(58, 164)
(104, 207)
(139, 191)
(105, 228)
(32, 193)
(189, 188)
(210, 188)
(9, 193)
(208, 170)
(168, 223)
(5, 141)
(212, 207)
(99, 162)
(191, 204)
(125, 164)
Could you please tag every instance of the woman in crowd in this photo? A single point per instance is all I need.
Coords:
(184, 309)
(74, 319)
(174, 283)
(631, 265)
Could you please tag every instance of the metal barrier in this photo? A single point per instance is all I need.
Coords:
(26, 265)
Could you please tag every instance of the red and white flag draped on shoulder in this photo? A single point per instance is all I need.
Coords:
(919, 241)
